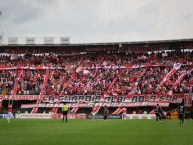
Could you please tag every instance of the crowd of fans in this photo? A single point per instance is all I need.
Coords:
(115, 73)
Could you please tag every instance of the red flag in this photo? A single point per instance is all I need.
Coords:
(152, 112)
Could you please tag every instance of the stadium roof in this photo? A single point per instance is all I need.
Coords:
(108, 43)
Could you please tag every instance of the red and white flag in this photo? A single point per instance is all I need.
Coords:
(115, 93)
(106, 94)
(152, 112)
(86, 72)
(80, 68)
(14, 56)
(143, 57)
(104, 63)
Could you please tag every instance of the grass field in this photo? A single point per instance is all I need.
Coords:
(99, 132)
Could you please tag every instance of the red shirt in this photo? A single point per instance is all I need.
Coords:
(10, 108)
(124, 110)
(93, 110)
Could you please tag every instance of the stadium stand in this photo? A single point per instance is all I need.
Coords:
(95, 70)
(93, 77)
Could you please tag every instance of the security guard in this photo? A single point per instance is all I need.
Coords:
(65, 112)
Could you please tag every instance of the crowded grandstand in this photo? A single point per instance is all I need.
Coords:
(136, 75)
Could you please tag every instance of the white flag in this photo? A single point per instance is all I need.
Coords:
(86, 72)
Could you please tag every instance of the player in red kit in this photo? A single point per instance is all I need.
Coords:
(94, 109)
(10, 114)
(124, 113)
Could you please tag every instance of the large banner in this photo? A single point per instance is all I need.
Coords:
(142, 98)
(140, 116)
(90, 105)
(87, 101)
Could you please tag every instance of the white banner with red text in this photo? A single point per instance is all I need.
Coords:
(90, 105)
(48, 116)
(176, 98)
(142, 98)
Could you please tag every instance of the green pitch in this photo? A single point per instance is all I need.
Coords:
(99, 132)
